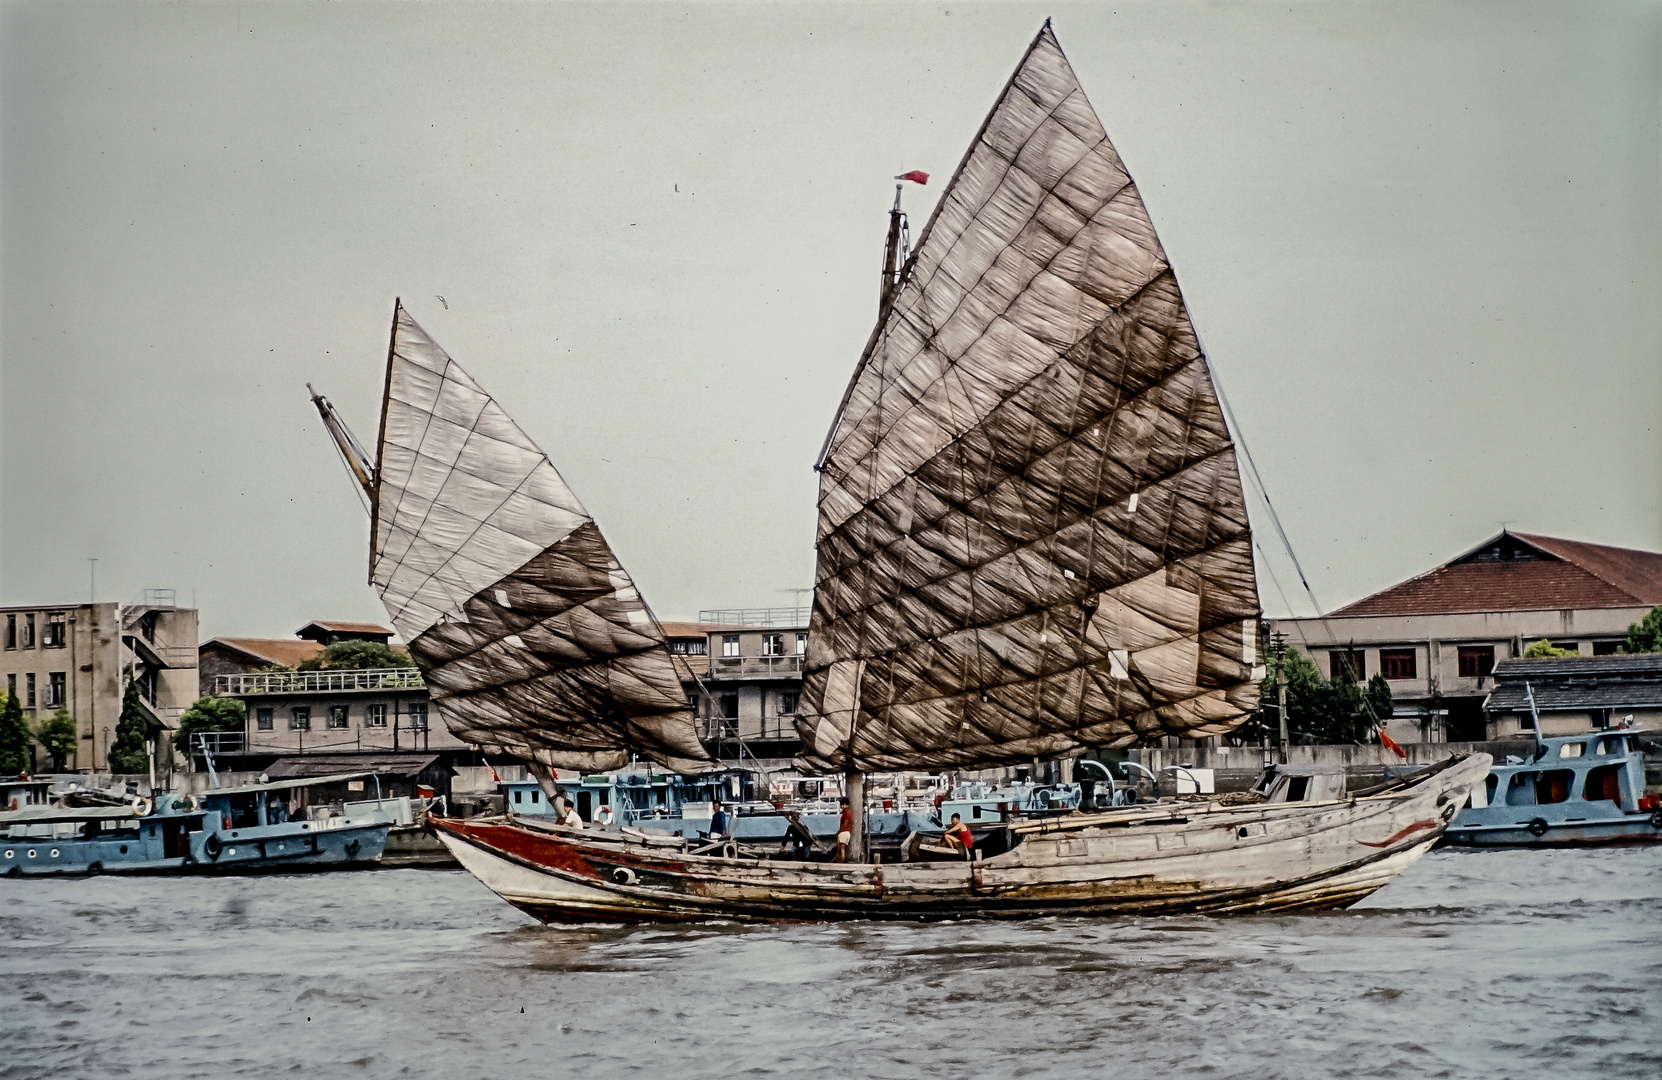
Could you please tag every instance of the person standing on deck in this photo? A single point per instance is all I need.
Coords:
(718, 820)
(567, 815)
(845, 831)
(800, 840)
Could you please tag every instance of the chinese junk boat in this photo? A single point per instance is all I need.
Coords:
(1032, 541)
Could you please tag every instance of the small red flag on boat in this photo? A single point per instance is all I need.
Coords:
(1391, 744)
(916, 176)
(495, 779)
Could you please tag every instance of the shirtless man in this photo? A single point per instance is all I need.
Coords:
(958, 836)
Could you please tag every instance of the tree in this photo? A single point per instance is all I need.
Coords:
(14, 737)
(58, 734)
(1546, 650)
(357, 656)
(1646, 635)
(1323, 711)
(128, 755)
(209, 714)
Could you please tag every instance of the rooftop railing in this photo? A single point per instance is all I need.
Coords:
(318, 682)
(770, 616)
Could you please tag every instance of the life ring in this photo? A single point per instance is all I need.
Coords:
(622, 875)
(210, 847)
(1656, 820)
(1538, 827)
(141, 807)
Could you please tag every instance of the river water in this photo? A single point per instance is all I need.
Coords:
(1492, 964)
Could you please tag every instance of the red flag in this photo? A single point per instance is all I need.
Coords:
(916, 176)
(495, 779)
(1391, 744)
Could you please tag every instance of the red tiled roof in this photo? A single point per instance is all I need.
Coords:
(1572, 574)
(286, 652)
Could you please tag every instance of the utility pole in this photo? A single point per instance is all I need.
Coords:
(1280, 646)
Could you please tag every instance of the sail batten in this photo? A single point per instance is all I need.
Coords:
(1032, 536)
(531, 636)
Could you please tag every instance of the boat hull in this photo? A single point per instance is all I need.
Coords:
(1169, 857)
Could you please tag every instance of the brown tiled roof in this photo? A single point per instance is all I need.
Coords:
(285, 652)
(1563, 574)
(683, 629)
(347, 627)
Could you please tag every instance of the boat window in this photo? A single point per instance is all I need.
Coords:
(1570, 750)
(1603, 783)
(519, 796)
(1553, 786)
(536, 796)
(1521, 791)
(1296, 787)
(1491, 782)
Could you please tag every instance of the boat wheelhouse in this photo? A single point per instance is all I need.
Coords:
(40, 840)
(1578, 789)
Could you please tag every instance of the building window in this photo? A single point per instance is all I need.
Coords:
(418, 716)
(802, 644)
(787, 702)
(262, 719)
(11, 685)
(11, 631)
(337, 717)
(1476, 661)
(1396, 663)
(773, 644)
(56, 635)
(729, 644)
(300, 718)
(729, 706)
(375, 716)
(1568, 646)
(29, 690)
(54, 689)
(29, 630)
(1600, 717)
(690, 647)
(1607, 648)
(1342, 663)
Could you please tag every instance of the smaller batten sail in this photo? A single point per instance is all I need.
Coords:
(1032, 533)
(532, 639)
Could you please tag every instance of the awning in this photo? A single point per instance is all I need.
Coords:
(406, 766)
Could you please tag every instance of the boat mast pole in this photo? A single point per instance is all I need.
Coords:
(891, 257)
(1281, 691)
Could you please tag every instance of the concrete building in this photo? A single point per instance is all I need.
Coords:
(744, 677)
(80, 657)
(1575, 694)
(376, 711)
(1437, 638)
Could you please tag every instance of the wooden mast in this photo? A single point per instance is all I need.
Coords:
(381, 439)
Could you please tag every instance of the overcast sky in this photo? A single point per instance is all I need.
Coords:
(1422, 243)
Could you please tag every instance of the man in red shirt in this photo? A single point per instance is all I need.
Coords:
(958, 836)
(845, 832)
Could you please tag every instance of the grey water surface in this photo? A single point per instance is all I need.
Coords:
(1492, 964)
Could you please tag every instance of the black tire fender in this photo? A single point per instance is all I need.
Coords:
(211, 846)
(1656, 820)
(1538, 827)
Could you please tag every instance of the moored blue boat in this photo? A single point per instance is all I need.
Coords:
(244, 829)
(1578, 790)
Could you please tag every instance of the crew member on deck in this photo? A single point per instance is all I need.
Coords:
(845, 831)
(801, 841)
(567, 815)
(718, 819)
(958, 836)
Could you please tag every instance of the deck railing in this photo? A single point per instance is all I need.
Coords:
(314, 682)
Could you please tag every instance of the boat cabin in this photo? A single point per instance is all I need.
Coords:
(20, 793)
(1596, 767)
(1301, 783)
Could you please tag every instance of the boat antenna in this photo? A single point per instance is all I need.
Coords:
(1535, 717)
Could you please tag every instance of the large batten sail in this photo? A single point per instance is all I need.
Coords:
(532, 638)
(1032, 534)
